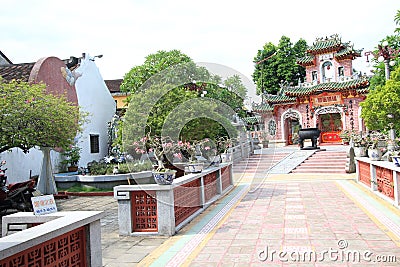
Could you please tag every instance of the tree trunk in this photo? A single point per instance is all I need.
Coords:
(46, 184)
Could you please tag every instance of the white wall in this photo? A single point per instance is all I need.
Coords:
(94, 98)
(19, 165)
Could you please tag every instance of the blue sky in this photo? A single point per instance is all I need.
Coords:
(222, 32)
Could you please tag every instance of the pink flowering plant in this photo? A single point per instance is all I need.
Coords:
(189, 151)
(223, 144)
(167, 150)
(161, 147)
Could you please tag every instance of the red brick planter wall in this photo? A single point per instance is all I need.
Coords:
(187, 200)
(226, 177)
(210, 186)
(365, 173)
(384, 178)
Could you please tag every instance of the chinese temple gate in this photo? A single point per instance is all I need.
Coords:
(328, 99)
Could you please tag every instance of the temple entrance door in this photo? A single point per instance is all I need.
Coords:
(330, 126)
(292, 127)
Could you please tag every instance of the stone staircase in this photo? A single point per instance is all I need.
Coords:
(258, 162)
(323, 162)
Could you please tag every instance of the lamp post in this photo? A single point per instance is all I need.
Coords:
(385, 54)
(392, 133)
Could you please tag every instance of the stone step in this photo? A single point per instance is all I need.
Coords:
(314, 171)
(324, 162)
(256, 162)
(329, 157)
(322, 167)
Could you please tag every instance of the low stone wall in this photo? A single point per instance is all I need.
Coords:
(58, 239)
(64, 181)
(381, 177)
(164, 209)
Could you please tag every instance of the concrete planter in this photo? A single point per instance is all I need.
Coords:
(64, 181)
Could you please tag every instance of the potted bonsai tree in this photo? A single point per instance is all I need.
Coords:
(71, 155)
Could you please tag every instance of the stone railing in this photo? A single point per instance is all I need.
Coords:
(58, 239)
(242, 151)
(165, 209)
(381, 177)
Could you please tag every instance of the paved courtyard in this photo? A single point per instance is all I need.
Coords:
(283, 220)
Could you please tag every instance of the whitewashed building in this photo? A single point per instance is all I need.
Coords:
(85, 87)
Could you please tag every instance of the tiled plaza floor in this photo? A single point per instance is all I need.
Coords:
(294, 223)
(267, 219)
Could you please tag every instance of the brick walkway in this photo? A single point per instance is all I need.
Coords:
(282, 220)
(303, 219)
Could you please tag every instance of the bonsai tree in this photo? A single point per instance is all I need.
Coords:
(72, 155)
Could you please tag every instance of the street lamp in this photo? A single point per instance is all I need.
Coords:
(385, 54)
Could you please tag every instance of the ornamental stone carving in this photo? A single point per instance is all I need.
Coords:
(291, 114)
(326, 110)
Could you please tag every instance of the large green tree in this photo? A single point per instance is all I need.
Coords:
(277, 64)
(163, 85)
(177, 112)
(31, 117)
(383, 100)
(153, 64)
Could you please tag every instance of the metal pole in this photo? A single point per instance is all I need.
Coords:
(387, 70)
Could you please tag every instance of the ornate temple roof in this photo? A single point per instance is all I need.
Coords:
(332, 44)
(357, 84)
(252, 120)
(306, 61)
(279, 99)
(290, 95)
(348, 53)
(326, 45)
(262, 107)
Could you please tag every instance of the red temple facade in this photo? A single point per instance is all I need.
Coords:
(328, 99)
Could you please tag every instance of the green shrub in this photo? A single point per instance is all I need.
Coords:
(99, 168)
(102, 168)
(135, 166)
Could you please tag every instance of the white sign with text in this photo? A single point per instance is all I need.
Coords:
(44, 205)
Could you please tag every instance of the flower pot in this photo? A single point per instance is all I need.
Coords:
(360, 151)
(215, 160)
(164, 178)
(195, 167)
(265, 143)
(72, 168)
(396, 160)
(374, 154)
(225, 157)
